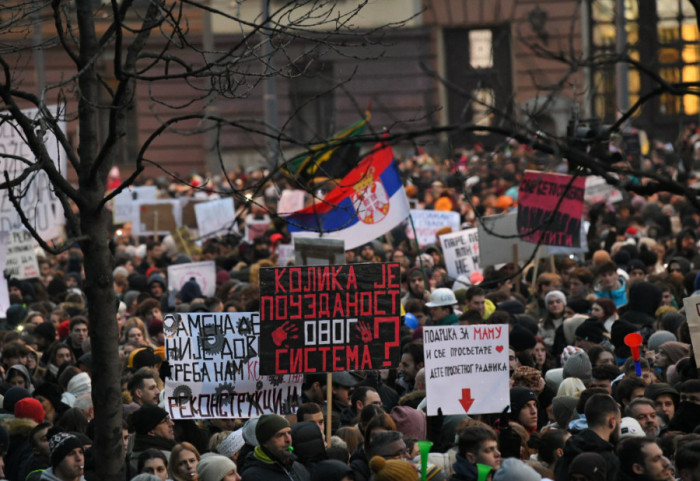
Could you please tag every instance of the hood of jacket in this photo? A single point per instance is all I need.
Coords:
(18, 426)
(586, 441)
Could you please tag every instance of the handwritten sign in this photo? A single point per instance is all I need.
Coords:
(550, 207)
(255, 227)
(214, 365)
(428, 222)
(329, 318)
(204, 273)
(466, 368)
(21, 262)
(692, 314)
(125, 205)
(291, 201)
(216, 217)
(461, 251)
(35, 193)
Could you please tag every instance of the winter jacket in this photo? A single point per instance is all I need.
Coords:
(464, 470)
(49, 476)
(618, 296)
(360, 464)
(260, 466)
(307, 440)
(449, 320)
(587, 441)
(19, 451)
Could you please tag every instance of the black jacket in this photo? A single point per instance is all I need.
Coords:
(464, 470)
(587, 441)
(260, 467)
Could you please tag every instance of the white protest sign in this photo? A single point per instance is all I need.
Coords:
(692, 314)
(35, 193)
(255, 227)
(125, 207)
(466, 368)
(461, 251)
(204, 274)
(4, 290)
(291, 201)
(497, 236)
(21, 262)
(215, 373)
(216, 217)
(285, 253)
(428, 222)
(597, 190)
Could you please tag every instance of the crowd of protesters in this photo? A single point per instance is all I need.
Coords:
(579, 410)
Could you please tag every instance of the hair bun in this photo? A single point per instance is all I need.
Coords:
(377, 463)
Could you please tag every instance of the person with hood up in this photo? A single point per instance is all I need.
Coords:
(644, 299)
(18, 375)
(78, 385)
(307, 441)
(604, 418)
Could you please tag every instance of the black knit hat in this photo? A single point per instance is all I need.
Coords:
(268, 425)
(591, 331)
(60, 446)
(146, 418)
(521, 339)
(519, 397)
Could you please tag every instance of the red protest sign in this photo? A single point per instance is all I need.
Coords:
(542, 218)
(329, 318)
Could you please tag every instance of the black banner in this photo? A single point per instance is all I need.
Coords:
(329, 318)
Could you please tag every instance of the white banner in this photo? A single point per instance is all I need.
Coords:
(35, 193)
(461, 251)
(692, 314)
(216, 217)
(466, 368)
(204, 273)
(428, 222)
(21, 262)
(125, 205)
(215, 373)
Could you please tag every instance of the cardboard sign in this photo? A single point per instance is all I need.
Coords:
(692, 314)
(291, 201)
(204, 274)
(254, 228)
(550, 207)
(158, 217)
(125, 205)
(329, 318)
(597, 190)
(215, 218)
(35, 193)
(189, 217)
(466, 368)
(214, 364)
(461, 251)
(21, 262)
(315, 251)
(497, 236)
(428, 222)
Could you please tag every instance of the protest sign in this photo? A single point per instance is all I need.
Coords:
(291, 201)
(216, 217)
(497, 236)
(466, 368)
(550, 207)
(20, 262)
(428, 222)
(204, 273)
(35, 193)
(157, 217)
(125, 205)
(214, 365)
(329, 318)
(255, 227)
(315, 251)
(285, 253)
(597, 190)
(461, 251)
(692, 314)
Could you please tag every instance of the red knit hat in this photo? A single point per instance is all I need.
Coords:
(64, 329)
(30, 408)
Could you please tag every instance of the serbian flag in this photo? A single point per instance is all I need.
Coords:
(369, 201)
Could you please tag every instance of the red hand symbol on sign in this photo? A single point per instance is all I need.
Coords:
(365, 331)
(286, 330)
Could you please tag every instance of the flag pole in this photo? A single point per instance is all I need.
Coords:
(420, 259)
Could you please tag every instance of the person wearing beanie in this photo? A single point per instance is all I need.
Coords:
(551, 322)
(30, 408)
(603, 418)
(512, 468)
(67, 458)
(666, 399)
(523, 407)
(657, 339)
(231, 446)
(215, 467)
(393, 469)
(49, 395)
(588, 467)
(272, 459)
(578, 365)
(153, 428)
(589, 333)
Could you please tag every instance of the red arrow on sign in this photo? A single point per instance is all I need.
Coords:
(466, 400)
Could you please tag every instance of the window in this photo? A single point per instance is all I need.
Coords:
(312, 99)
